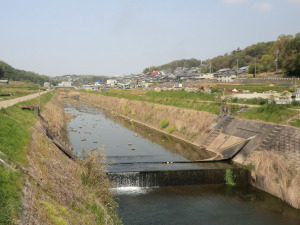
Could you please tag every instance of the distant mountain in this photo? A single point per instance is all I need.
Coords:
(8, 72)
(284, 53)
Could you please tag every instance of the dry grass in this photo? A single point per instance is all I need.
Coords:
(186, 123)
(63, 191)
(276, 175)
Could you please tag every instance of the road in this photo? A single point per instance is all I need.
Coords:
(11, 102)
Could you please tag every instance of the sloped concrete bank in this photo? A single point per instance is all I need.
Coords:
(272, 155)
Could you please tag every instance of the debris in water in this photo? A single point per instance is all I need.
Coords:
(129, 143)
(136, 135)
(80, 127)
(83, 139)
(95, 141)
(133, 149)
(74, 130)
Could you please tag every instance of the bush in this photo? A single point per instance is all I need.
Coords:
(171, 129)
(164, 123)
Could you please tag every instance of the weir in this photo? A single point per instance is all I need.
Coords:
(179, 177)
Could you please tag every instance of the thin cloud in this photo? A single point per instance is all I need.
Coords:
(294, 1)
(264, 7)
(233, 1)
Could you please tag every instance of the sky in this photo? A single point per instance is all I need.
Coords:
(117, 37)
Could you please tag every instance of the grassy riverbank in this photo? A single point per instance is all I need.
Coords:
(200, 101)
(51, 189)
(15, 134)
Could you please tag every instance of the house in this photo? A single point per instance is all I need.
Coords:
(244, 69)
(297, 95)
(46, 85)
(205, 76)
(65, 84)
(225, 77)
(111, 82)
(177, 85)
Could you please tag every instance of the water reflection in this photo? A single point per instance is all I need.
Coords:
(204, 204)
(139, 147)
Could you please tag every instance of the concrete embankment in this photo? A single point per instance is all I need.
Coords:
(272, 155)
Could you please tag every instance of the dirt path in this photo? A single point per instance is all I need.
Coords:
(8, 103)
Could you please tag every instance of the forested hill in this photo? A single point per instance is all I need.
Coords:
(286, 49)
(8, 72)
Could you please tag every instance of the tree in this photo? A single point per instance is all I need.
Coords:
(267, 61)
(291, 65)
(1, 73)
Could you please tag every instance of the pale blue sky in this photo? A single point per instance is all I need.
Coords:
(110, 37)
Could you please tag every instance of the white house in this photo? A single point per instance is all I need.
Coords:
(207, 76)
(226, 77)
(65, 84)
(111, 82)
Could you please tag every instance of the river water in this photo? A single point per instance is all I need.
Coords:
(132, 148)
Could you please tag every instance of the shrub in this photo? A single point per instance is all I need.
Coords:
(229, 177)
(164, 123)
(171, 129)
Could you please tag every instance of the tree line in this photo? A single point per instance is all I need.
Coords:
(10, 73)
(282, 54)
(188, 63)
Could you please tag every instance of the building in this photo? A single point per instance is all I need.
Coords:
(111, 82)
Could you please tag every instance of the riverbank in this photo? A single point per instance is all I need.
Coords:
(273, 168)
(65, 191)
(55, 188)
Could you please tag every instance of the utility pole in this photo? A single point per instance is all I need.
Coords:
(237, 63)
(210, 67)
(255, 67)
(276, 60)
(39, 101)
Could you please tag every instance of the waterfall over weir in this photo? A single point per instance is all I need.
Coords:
(178, 177)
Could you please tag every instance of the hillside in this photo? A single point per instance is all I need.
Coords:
(8, 72)
(285, 51)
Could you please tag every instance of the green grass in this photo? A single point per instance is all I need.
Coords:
(10, 196)
(259, 88)
(15, 135)
(17, 89)
(56, 213)
(251, 101)
(270, 113)
(296, 123)
(182, 99)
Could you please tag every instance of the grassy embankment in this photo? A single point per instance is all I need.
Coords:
(207, 102)
(17, 89)
(15, 133)
(181, 122)
(57, 190)
(275, 174)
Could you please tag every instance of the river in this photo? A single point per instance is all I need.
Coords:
(131, 148)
